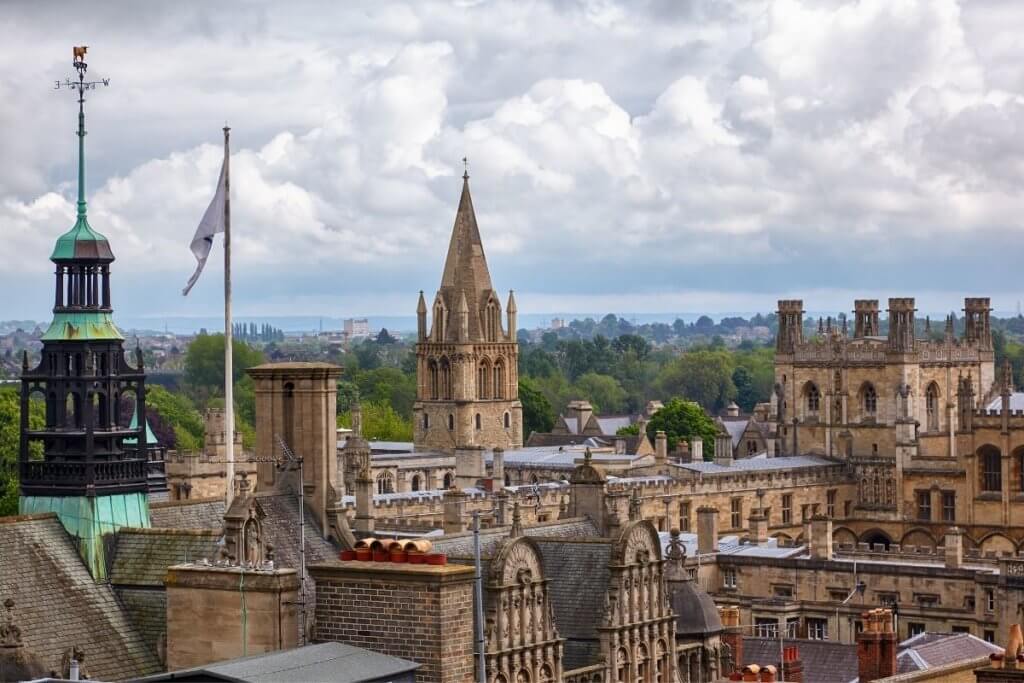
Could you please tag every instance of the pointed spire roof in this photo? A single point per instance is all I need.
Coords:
(511, 306)
(421, 307)
(465, 268)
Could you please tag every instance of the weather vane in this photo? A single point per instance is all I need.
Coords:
(81, 85)
(465, 164)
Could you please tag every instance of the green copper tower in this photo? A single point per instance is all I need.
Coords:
(88, 463)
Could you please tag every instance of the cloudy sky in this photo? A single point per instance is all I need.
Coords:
(658, 156)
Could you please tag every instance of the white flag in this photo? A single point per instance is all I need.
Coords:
(212, 223)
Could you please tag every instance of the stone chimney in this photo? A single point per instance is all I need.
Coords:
(357, 455)
(758, 524)
(454, 511)
(876, 646)
(498, 467)
(792, 666)
(821, 537)
(587, 494)
(732, 638)
(469, 466)
(707, 530)
(723, 447)
(204, 611)
(581, 411)
(954, 548)
(428, 610)
(620, 446)
(696, 449)
(660, 448)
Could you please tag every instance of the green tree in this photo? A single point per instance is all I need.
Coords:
(704, 376)
(681, 420)
(180, 413)
(537, 413)
(204, 364)
(380, 422)
(605, 393)
(10, 441)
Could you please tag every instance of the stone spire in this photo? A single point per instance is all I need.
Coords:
(465, 268)
(517, 521)
(421, 318)
(512, 311)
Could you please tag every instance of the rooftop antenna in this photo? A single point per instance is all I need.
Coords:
(291, 461)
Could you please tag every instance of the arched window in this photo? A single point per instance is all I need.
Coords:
(479, 421)
(931, 403)
(451, 422)
(440, 317)
(447, 481)
(508, 420)
(415, 482)
(498, 386)
(426, 421)
(661, 664)
(870, 400)
(642, 663)
(622, 665)
(813, 398)
(991, 469)
(483, 380)
(446, 379)
(433, 388)
(385, 483)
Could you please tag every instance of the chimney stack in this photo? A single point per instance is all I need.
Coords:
(876, 646)
(821, 537)
(792, 666)
(707, 530)
(758, 523)
(498, 468)
(454, 511)
(723, 447)
(696, 449)
(660, 448)
(768, 674)
(732, 638)
(954, 548)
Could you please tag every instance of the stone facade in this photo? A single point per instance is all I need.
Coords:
(202, 475)
(418, 612)
(467, 361)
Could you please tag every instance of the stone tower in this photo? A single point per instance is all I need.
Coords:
(467, 361)
(87, 463)
(791, 325)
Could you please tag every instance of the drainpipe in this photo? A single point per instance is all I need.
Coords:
(481, 675)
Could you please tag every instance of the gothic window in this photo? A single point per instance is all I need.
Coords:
(508, 421)
(932, 407)
(447, 481)
(446, 379)
(522, 676)
(451, 422)
(493, 320)
(433, 379)
(72, 410)
(415, 482)
(426, 421)
(622, 666)
(642, 663)
(546, 674)
(991, 469)
(385, 483)
(870, 400)
(498, 388)
(439, 320)
(478, 420)
(483, 380)
(661, 664)
(813, 398)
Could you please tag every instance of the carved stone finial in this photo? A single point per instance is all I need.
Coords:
(517, 521)
(634, 506)
(676, 548)
(587, 457)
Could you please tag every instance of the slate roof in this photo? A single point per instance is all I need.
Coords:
(824, 661)
(58, 604)
(548, 439)
(201, 513)
(461, 545)
(326, 662)
(141, 556)
(735, 426)
(613, 423)
(757, 464)
(147, 609)
(578, 574)
(928, 650)
(1016, 402)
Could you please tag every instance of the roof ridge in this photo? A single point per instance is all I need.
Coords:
(15, 519)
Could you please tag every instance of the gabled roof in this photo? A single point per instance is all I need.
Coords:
(59, 604)
(928, 650)
(141, 556)
(199, 513)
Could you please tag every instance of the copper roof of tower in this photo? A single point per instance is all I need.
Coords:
(465, 268)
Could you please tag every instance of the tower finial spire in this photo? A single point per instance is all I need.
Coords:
(81, 86)
(465, 164)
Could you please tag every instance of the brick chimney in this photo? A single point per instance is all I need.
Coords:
(876, 646)
(792, 666)
(821, 537)
(954, 548)
(707, 530)
(732, 638)
(428, 611)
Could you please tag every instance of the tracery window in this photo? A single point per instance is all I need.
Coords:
(385, 483)
(483, 380)
(932, 407)
(498, 387)
(813, 398)
(870, 400)
(991, 469)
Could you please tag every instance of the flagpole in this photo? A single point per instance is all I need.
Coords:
(229, 393)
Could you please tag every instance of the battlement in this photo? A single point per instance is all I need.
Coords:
(791, 305)
(977, 303)
(865, 305)
(896, 552)
(901, 304)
